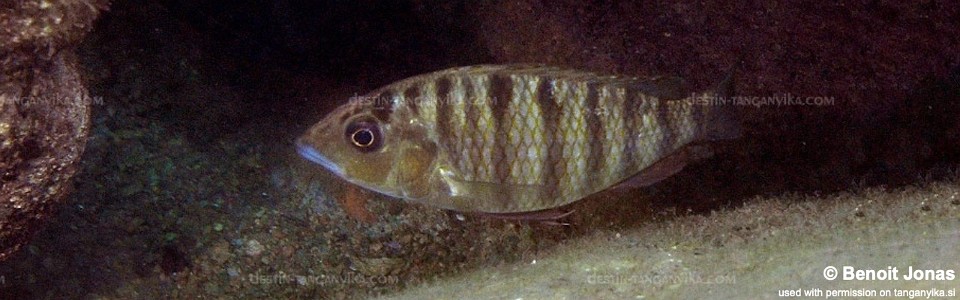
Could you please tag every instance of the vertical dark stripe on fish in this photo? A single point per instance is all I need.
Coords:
(412, 97)
(554, 167)
(443, 114)
(595, 134)
(443, 88)
(501, 89)
(632, 99)
(383, 105)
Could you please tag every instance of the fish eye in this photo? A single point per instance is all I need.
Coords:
(362, 138)
(364, 135)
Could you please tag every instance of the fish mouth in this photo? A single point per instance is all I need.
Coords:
(311, 154)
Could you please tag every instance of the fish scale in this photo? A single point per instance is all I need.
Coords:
(613, 125)
(507, 139)
(547, 138)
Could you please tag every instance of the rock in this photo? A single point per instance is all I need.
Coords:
(44, 111)
(233, 272)
(220, 252)
(254, 248)
(378, 266)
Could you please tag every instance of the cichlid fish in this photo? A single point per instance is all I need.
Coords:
(509, 139)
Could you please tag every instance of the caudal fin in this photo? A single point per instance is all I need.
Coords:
(720, 117)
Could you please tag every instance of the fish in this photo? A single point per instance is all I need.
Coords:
(517, 140)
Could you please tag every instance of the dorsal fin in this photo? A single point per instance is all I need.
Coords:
(665, 87)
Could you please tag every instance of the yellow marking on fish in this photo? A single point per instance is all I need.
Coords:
(571, 98)
(486, 126)
(650, 132)
(683, 125)
(428, 107)
(614, 125)
(457, 101)
(525, 136)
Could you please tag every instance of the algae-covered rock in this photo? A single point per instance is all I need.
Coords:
(44, 111)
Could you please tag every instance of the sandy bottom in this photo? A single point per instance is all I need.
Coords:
(756, 251)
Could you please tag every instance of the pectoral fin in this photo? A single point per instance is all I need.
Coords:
(479, 196)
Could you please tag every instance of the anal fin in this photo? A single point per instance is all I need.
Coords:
(546, 217)
(660, 170)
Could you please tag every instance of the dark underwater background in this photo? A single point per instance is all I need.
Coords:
(190, 186)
